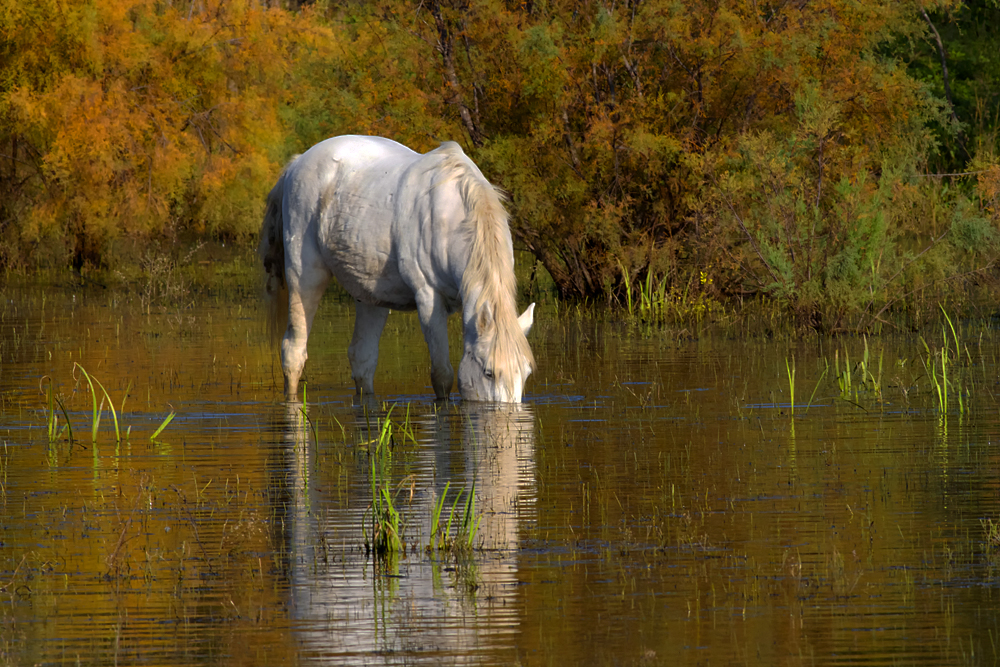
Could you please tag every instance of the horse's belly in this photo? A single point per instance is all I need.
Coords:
(367, 269)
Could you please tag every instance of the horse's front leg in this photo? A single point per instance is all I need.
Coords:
(434, 322)
(363, 350)
(305, 289)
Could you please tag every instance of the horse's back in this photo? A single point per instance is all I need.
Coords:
(339, 210)
(351, 167)
(359, 151)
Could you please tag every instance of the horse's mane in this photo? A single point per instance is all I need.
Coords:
(489, 273)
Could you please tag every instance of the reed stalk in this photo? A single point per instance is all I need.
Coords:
(628, 289)
(816, 388)
(790, 369)
(937, 384)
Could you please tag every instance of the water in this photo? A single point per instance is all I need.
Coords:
(654, 501)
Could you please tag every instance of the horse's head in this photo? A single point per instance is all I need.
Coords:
(497, 360)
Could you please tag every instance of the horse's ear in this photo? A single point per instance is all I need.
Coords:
(527, 318)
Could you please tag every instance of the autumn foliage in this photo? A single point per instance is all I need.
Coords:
(744, 148)
(131, 120)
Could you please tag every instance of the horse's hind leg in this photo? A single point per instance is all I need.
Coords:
(363, 350)
(304, 295)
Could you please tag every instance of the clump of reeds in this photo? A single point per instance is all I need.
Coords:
(652, 301)
(453, 528)
(52, 417)
(991, 529)
(54, 400)
(385, 536)
(940, 366)
(860, 378)
(464, 537)
(98, 411)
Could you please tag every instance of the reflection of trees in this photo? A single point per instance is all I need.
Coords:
(422, 600)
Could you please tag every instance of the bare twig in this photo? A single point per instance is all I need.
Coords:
(753, 243)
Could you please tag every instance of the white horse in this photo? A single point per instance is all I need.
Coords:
(402, 231)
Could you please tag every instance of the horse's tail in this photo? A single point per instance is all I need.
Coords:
(272, 252)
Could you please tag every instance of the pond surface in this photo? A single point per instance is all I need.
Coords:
(653, 501)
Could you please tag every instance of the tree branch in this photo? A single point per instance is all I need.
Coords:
(944, 75)
(446, 47)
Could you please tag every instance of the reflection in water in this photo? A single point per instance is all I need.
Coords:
(428, 603)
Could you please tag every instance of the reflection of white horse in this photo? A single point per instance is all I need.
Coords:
(404, 231)
(499, 445)
(348, 615)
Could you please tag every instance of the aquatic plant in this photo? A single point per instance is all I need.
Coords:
(465, 532)
(386, 522)
(305, 414)
(97, 411)
(822, 376)
(941, 363)
(790, 370)
(992, 530)
(652, 302)
(169, 418)
(53, 401)
(52, 419)
(859, 378)
(385, 536)
(843, 379)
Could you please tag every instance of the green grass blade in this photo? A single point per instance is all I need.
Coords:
(163, 425)
(958, 349)
(436, 517)
(52, 418)
(111, 406)
(790, 369)
(813, 395)
(96, 415)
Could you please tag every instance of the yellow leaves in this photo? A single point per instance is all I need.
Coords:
(232, 206)
(142, 116)
(988, 184)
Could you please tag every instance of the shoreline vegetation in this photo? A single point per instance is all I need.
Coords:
(171, 282)
(741, 167)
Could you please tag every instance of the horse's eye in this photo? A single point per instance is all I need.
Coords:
(488, 373)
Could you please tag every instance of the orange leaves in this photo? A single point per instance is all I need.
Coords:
(140, 117)
(988, 185)
(612, 124)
